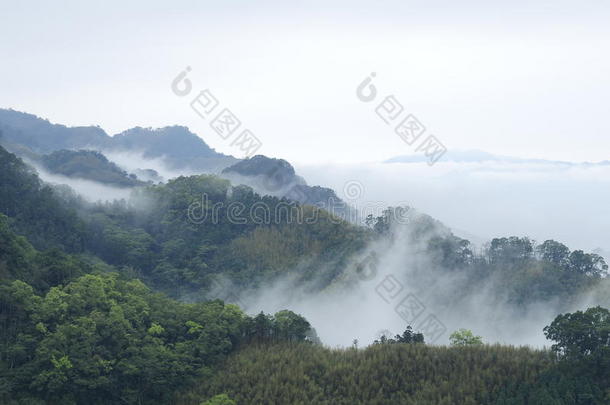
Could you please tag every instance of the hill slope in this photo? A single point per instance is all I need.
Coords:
(90, 165)
(177, 145)
(409, 374)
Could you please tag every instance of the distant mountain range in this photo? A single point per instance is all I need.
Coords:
(179, 147)
(80, 152)
(478, 156)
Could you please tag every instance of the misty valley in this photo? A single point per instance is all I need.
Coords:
(146, 268)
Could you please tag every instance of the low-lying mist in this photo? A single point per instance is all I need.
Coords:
(401, 287)
(393, 283)
(483, 200)
(91, 191)
(132, 162)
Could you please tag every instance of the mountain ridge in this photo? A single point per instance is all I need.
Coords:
(179, 147)
(479, 156)
(28, 136)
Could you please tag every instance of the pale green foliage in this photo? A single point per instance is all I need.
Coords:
(465, 337)
(410, 374)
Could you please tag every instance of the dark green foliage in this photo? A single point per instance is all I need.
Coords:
(581, 335)
(408, 336)
(16, 253)
(280, 172)
(104, 340)
(580, 374)
(20, 261)
(277, 177)
(34, 209)
(183, 232)
(189, 230)
(554, 252)
(588, 264)
(283, 326)
(555, 273)
(510, 250)
(76, 330)
(90, 165)
(582, 342)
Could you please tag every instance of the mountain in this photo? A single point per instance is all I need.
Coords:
(478, 156)
(277, 170)
(178, 236)
(83, 322)
(41, 136)
(181, 150)
(34, 209)
(277, 177)
(21, 132)
(89, 165)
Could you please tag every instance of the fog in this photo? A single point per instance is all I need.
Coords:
(476, 200)
(482, 200)
(403, 288)
(133, 161)
(91, 191)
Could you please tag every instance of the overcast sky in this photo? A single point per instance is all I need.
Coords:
(519, 78)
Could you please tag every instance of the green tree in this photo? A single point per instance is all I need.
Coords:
(589, 264)
(465, 337)
(554, 252)
(290, 326)
(581, 334)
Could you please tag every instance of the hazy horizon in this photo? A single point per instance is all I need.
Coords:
(530, 87)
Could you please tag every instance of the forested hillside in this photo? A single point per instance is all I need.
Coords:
(177, 234)
(90, 165)
(108, 302)
(277, 177)
(101, 339)
(403, 374)
(576, 370)
(34, 208)
(304, 203)
(382, 374)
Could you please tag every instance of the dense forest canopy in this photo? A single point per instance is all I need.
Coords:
(109, 303)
